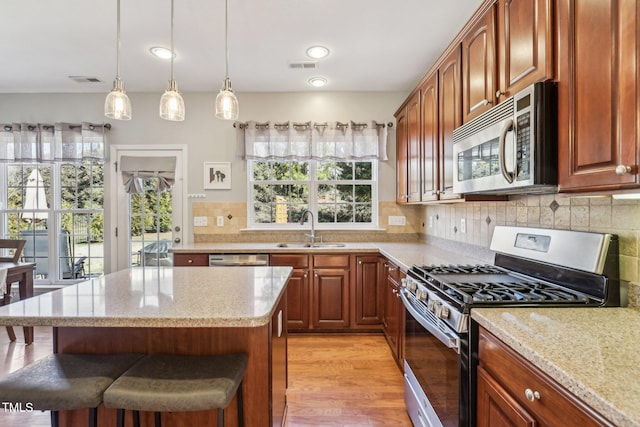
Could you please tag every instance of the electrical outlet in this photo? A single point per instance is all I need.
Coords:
(397, 220)
(199, 221)
(463, 225)
(220, 221)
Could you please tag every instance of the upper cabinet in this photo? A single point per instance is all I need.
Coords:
(408, 152)
(507, 47)
(525, 44)
(597, 94)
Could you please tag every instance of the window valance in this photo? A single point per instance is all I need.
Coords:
(135, 169)
(27, 142)
(310, 140)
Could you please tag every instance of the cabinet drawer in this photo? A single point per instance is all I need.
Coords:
(331, 261)
(292, 260)
(191, 260)
(393, 271)
(517, 375)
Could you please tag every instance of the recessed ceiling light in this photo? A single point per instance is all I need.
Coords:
(317, 52)
(317, 81)
(161, 52)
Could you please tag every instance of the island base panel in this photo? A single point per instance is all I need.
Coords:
(192, 341)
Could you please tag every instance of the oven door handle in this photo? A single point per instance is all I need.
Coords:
(450, 340)
(502, 151)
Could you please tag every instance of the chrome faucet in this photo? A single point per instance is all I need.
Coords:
(311, 236)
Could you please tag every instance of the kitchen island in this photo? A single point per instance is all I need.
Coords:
(195, 310)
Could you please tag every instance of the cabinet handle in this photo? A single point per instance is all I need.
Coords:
(499, 93)
(190, 261)
(360, 262)
(392, 269)
(531, 395)
(623, 170)
(486, 102)
(306, 275)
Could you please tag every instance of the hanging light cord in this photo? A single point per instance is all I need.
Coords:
(118, 45)
(172, 53)
(226, 36)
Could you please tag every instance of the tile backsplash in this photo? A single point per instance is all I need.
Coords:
(596, 213)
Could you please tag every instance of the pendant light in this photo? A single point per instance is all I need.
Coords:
(171, 103)
(117, 105)
(226, 101)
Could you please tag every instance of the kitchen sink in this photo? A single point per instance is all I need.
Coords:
(311, 246)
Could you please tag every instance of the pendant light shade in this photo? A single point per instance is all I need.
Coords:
(171, 103)
(226, 101)
(117, 104)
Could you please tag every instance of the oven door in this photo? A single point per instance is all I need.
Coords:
(432, 370)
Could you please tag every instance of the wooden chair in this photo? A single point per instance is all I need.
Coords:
(17, 245)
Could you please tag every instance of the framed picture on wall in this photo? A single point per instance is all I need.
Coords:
(217, 176)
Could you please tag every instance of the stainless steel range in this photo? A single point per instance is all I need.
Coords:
(532, 267)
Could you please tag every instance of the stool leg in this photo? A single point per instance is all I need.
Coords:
(220, 417)
(93, 417)
(11, 333)
(136, 418)
(240, 407)
(54, 419)
(158, 418)
(120, 418)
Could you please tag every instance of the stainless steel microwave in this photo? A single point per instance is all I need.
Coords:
(511, 148)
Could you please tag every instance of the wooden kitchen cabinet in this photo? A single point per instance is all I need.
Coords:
(297, 289)
(393, 319)
(368, 290)
(513, 392)
(430, 138)
(479, 66)
(190, 260)
(508, 47)
(597, 95)
(408, 152)
(330, 292)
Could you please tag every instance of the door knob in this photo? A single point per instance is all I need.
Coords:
(177, 240)
(177, 228)
(623, 170)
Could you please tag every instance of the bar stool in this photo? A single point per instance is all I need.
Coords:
(60, 382)
(179, 383)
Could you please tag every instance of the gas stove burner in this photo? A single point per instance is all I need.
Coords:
(462, 269)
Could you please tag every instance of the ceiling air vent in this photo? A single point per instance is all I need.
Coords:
(85, 79)
(307, 65)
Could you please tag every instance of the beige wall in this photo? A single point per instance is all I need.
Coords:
(599, 214)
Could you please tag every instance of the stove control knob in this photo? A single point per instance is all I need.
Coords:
(404, 282)
(421, 295)
(443, 313)
(433, 306)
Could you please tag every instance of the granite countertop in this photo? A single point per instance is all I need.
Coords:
(402, 254)
(593, 352)
(159, 297)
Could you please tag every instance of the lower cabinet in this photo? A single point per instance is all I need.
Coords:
(297, 290)
(330, 292)
(393, 318)
(279, 363)
(513, 392)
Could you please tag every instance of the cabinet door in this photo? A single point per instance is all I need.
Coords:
(401, 157)
(330, 299)
(450, 99)
(190, 260)
(496, 407)
(597, 90)
(298, 300)
(368, 310)
(479, 67)
(413, 149)
(393, 323)
(525, 40)
(429, 146)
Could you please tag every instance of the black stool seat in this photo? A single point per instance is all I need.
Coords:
(61, 382)
(179, 383)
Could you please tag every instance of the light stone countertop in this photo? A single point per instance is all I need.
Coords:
(592, 352)
(159, 297)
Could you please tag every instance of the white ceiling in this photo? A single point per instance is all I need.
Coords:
(376, 45)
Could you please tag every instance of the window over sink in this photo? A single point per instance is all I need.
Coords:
(340, 194)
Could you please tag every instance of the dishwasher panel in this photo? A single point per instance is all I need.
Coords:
(238, 259)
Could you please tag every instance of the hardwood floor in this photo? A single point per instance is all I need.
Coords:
(344, 380)
(334, 380)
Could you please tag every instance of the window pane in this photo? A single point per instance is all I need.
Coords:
(326, 171)
(363, 213)
(282, 171)
(345, 193)
(326, 213)
(344, 171)
(363, 193)
(300, 171)
(264, 213)
(326, 193)
(344, 213)
(261, 171)
(364, 170)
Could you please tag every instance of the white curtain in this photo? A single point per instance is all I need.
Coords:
(135, 169)
(321, 141)
(27, 142)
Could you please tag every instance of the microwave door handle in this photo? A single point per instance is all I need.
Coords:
(508, 127)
